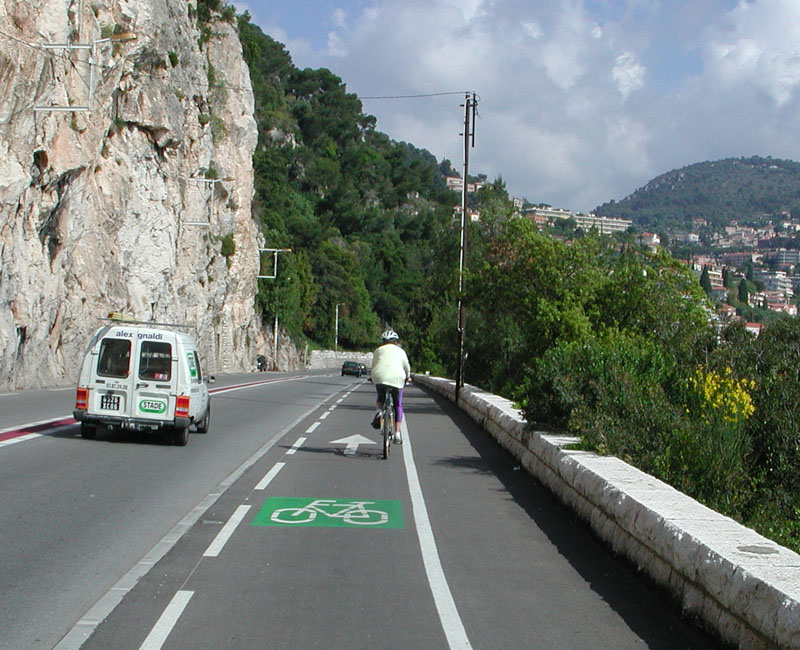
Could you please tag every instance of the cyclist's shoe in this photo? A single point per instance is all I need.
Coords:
(376, 421)
(397, 439)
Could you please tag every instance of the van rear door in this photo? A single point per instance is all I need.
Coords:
(156, 374)
(113, 377)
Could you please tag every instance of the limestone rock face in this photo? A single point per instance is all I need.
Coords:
(125, 182)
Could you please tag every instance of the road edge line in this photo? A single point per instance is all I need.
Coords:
(449, 617)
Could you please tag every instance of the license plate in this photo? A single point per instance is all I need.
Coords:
(109, 402)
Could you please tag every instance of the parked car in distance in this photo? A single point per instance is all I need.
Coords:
(261, 362)
(352, 368)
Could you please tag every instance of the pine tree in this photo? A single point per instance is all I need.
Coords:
(743, 295)
(705, 281)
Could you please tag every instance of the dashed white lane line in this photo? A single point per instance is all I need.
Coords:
(228, 529)
(271, 474)
(164, 625)
(298, 444)
(313, 427)
(445, 605)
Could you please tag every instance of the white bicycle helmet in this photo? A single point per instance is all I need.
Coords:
(389, 336)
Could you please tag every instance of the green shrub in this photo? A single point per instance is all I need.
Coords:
(628, 396)
(612, 391)
(228, 248)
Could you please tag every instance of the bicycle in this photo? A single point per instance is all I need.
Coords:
(387, 423)
(354, 512)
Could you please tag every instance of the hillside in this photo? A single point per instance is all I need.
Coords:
(747, 190)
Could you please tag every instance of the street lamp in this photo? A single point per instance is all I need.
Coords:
(336, 335)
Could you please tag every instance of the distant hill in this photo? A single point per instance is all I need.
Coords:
(747, 190)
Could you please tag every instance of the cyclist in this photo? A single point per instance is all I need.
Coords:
(390, 371)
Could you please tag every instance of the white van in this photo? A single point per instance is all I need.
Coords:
(144, 377)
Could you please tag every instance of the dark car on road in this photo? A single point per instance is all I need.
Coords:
(261, 362)
(352, 368)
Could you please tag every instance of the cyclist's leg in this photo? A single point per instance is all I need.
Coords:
(397, 394)
(380, 390)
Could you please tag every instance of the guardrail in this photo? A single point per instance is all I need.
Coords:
(738, 584)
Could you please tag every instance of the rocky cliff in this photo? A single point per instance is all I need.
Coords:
(126, 141)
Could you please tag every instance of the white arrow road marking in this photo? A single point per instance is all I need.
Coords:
(352, 443)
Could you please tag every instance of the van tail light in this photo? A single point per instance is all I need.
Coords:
(82, 399)
(182, 406)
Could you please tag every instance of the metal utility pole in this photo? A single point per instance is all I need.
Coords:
(336, 328)
(274, 275)
(213, 183)
(470, 104)
(92, 49)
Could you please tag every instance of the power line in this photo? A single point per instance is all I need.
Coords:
(455, 92)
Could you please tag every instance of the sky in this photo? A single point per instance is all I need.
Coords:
(579, 101)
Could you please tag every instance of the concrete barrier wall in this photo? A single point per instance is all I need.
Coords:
(322, 359)
(743, 587)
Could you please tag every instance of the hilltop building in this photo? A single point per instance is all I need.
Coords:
(457, 184)
(603, 225)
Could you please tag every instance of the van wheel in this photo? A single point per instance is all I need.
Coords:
(202, 426)
(88, 432)
(181, 437)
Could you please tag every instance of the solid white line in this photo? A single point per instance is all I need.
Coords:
(224, 535)
(271, 474)
(164, 625)
(27, 425)
(298, 444)
(445, 605)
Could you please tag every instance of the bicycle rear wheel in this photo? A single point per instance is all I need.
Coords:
(388, 425)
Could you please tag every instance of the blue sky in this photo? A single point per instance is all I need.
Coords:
(581, 101)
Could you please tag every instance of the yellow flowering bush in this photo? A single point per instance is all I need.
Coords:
(716, 446)
(722, 396)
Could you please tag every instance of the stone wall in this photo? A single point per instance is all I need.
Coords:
(324, 359)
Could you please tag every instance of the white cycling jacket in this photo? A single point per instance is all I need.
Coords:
(390, 365)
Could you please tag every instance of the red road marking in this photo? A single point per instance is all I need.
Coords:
(37, 428)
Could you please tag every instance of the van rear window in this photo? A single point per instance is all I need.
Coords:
(155, 361)
(115, 358)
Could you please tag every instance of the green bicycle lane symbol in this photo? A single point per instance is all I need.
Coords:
(332, 513)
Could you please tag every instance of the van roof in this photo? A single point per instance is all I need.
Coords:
(143, 331)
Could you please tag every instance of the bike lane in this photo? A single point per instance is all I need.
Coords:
(350, 575)
(514, 568)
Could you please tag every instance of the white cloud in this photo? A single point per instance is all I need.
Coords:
(533, 29)
(628, 74)
(339, 18)
(760, 47)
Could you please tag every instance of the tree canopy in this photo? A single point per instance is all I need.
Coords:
(358, 209)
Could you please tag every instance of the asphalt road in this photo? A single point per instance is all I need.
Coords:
(444, 545)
